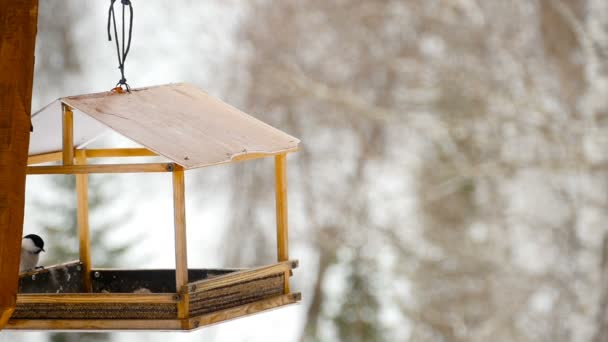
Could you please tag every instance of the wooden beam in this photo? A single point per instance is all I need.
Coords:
(97, 298)
(120, 152)
(68, 135)
(18, 21)
(100, 168)
(45, 158)
(280, 170)
(241, 276)
(82, 205)
(92, 153)
(181, 250)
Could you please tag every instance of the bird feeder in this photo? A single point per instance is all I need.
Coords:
(187, 129)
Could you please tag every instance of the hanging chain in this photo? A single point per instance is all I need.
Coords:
(121, 50)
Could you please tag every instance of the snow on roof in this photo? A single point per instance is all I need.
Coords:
(178, 121)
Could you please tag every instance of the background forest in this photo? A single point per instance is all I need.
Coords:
(452, 182)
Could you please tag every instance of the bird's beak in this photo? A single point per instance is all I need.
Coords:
(42, 249)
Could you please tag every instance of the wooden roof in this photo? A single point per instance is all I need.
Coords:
(178, 121)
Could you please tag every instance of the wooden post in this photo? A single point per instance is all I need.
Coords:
(82, 195)
(280, 168)
(68, 135)
(17, 41)
(181, 251)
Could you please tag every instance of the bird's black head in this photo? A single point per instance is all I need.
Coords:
(38, 242)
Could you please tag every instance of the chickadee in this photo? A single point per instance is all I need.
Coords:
(31, 246)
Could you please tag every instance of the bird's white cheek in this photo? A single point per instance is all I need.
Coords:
(28, 261)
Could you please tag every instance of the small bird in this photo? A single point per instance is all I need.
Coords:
(31, 246)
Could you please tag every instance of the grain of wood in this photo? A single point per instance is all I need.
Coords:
(18, 21)
(184, 124)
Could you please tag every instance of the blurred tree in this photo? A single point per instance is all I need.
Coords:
(318, 80)
(56, 57)
(358, 320)
(466, 139)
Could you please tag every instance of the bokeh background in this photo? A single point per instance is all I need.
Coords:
(452, 183)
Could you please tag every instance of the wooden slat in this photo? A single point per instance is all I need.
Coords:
(68, 135)
(82, 199)
(181, 250)
(241, 276)
(100, 168)
(119, 152)
(18, 21)
(280, 171)
(45, 158)
(94, 324)
(244, 310)
(97, 298)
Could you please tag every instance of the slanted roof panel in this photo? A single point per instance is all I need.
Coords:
(184, 124)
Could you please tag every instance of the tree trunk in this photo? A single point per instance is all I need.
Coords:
(18, 19)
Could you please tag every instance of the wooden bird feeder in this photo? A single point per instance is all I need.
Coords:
(188, 129)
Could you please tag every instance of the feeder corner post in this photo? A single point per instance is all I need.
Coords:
(181, 252)
(281, 212)
(18, 25)
(82, 215)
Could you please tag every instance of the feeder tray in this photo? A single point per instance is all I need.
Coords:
(187, 129)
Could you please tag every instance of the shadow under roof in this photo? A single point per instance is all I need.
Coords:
(178, 121)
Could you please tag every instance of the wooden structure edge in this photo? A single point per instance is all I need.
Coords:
(157, 324)
(240, 276)
(138, 152)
